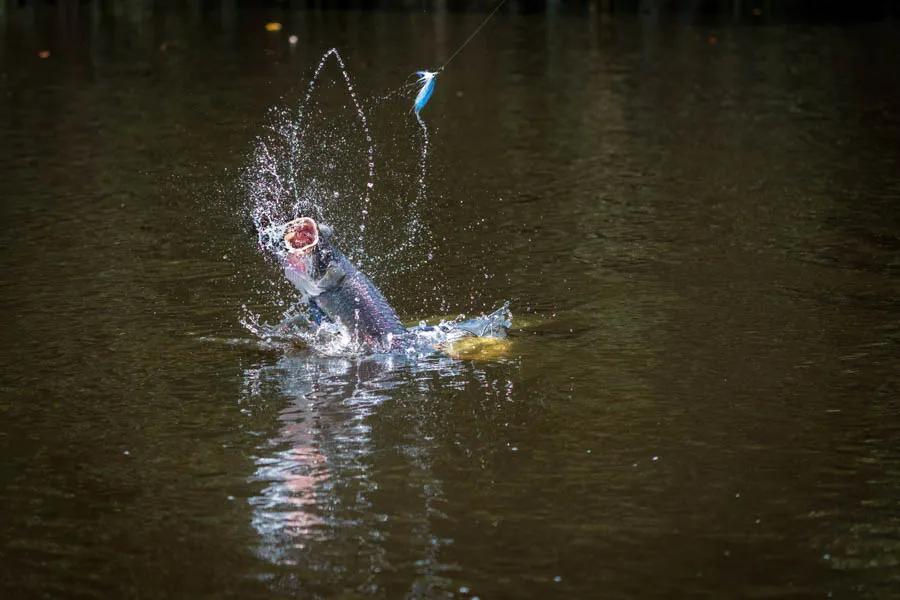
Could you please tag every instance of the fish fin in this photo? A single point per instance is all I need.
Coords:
(332, 278)
(316, 314)
(495, 324)
(293, 321)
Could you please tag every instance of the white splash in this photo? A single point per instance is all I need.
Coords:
(307, 163)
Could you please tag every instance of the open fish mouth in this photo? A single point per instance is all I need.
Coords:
(301, 236)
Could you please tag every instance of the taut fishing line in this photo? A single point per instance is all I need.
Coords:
(427, 79)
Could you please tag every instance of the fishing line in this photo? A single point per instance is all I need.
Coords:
(427, 78)
(474, 33)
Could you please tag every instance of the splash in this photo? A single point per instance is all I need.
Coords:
(319, 160)
(422, 188)
(415, 230)
(294, 171)
(309, 163)
(327, 339)
(338, 340)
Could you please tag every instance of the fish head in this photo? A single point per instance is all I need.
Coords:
(306, 253)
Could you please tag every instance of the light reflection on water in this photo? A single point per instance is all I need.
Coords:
(318, 470)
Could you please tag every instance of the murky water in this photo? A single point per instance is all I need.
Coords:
(696, 221)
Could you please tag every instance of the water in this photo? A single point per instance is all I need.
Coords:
(696, 221)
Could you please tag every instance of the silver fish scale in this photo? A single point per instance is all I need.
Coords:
(357, 302)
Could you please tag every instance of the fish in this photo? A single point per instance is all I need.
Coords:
(334, 290)
(333, 287)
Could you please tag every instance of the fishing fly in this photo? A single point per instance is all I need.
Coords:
(426, 80)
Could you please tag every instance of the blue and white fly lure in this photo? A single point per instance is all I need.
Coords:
(427, 80)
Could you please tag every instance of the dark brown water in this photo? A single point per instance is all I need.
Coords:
(698, 226)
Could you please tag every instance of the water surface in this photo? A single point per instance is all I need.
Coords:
(696, 221)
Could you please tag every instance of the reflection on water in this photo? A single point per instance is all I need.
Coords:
(319, 470)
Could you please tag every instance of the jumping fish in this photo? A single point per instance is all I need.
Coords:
(334, 290)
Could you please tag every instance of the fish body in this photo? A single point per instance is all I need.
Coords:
(350, 297)
(333, 287)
